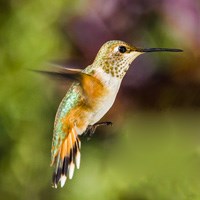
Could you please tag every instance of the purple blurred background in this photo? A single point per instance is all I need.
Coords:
(155, 81)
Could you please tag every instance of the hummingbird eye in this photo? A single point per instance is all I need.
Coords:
(122, 49)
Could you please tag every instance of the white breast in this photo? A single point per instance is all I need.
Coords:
(105, 103)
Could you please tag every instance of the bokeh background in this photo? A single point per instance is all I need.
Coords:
(152, 151)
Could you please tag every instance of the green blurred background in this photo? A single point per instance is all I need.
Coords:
(152, 151)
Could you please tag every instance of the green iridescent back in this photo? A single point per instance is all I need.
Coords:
(70, 100)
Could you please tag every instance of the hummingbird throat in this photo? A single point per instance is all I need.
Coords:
(116, 67)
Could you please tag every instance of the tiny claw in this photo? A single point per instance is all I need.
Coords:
(109, 123)
(92, 128)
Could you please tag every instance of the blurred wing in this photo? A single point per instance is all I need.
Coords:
(62, 73)
(89, 83)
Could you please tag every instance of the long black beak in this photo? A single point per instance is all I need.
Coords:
(158, 50)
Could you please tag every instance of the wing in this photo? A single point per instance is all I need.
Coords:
(62, 73)
(89, 83)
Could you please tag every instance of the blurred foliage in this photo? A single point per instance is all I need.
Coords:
(153, 149)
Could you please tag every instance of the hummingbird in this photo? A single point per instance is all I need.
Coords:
(89, 98)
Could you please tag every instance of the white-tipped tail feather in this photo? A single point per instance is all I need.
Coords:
(71, 170)
(78, 159)
(68, 156)
(63, 180)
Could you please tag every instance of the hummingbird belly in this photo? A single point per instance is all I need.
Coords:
(105, 102)
(102, 108)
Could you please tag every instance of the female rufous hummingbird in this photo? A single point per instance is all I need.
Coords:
(89, 98)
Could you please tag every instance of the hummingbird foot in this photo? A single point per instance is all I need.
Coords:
(92, 128)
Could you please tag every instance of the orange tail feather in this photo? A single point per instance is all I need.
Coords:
(68, 155)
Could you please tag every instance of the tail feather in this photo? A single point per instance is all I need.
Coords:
(66, 158)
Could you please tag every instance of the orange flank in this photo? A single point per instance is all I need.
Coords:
(93, 88)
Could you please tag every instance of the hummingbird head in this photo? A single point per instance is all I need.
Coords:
(115, 57)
